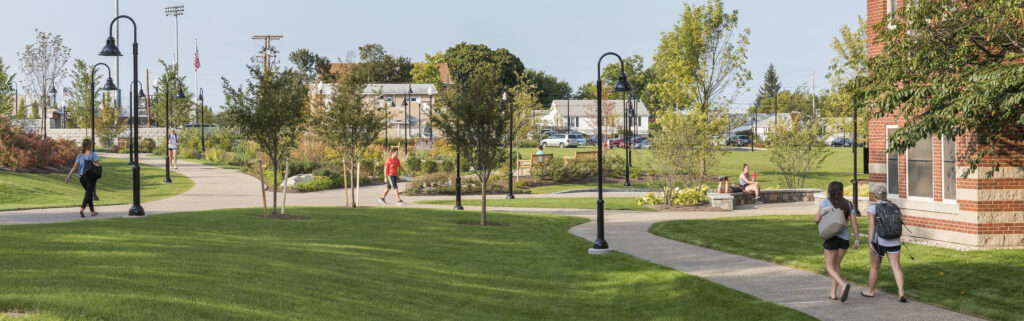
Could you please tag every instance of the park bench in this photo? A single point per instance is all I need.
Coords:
(582, 156)
(728, 201)
(534, 160)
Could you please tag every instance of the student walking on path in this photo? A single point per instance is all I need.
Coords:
(172, 148)
(836, 246)
(885, 227)
(85, 159)
(391, 167)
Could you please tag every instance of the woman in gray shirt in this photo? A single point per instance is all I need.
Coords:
(880, 247)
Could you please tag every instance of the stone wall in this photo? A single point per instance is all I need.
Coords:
(77, 134)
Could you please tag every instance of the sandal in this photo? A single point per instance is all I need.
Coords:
(865, 295)
(833, 298)
(95, 213)
(846, 292)
(82, 212)
(903, 299)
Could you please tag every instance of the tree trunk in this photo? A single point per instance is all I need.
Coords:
(263, 184)
(344, 180)
(274, 162)
(355, 191)
(483, 203)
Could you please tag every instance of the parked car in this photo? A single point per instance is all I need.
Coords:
(618, 142)
(425, 135)
(641, 143)
(563, 140)
(738, 140)
(841, 142)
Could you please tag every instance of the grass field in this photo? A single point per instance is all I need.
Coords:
(548, 189)
(838, 166)
(986, 283)
(610, 203)
(345, 264)
(27, 190)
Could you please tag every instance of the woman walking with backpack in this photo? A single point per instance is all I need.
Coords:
(835, 246)
(885, 227)
(86, 159)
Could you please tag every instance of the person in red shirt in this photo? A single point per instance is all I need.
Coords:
(391, 167)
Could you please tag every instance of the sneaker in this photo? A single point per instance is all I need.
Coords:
(95, 197)
(381, 201)
(400, 203)
(758, 202)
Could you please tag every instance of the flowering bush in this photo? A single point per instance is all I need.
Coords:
(21, 150)
(677, 196)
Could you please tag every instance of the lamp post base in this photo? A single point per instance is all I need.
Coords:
(626, 184)
(136, 211)
(510, 197)
(593, 251)
(167, 180)
(458, 207)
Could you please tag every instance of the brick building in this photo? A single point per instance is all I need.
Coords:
(977, 211)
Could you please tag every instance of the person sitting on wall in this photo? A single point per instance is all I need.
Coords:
(724, 187)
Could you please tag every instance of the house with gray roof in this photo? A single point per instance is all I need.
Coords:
(580, 115)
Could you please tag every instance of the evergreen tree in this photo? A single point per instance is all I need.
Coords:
(22, 110)
(6, 90)
(771, 86)
(78, 106)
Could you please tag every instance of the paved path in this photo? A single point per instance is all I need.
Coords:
(626, 231)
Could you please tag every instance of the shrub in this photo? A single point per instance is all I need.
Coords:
(19, 149)
(677, 196)
(565, 171)
(429, 166)
(319, 183)
(148, 145)
(447, 165)
(215, 155)
(412, 163)
(126, 150)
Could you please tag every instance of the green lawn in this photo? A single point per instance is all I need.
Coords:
(986, 283)
(26, 190)
(611, 203)
(838, 166)
(345, 264)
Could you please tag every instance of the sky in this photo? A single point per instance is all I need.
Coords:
(563, 38)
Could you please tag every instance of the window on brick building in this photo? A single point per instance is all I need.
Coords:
(892, 163)
(948, 169)
(919, 169)
(890, 7)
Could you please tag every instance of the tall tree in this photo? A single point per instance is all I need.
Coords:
(181, 109)
(313, 67)
(377, 66)
(467, 118)
(549, 87)
(346, 122)
(269, 109)
(850, 62)
(472, 59)
(81, 82)
(770, 87)
(43, 63)
(22, 112)
(795, 100)
(7, 100)
(524, 100)
(109, 123)
(701, 61)
(950, 68)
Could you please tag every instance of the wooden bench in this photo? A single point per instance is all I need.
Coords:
(582, 156)
(534, 160)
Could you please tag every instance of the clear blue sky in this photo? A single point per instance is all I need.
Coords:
(563, 38)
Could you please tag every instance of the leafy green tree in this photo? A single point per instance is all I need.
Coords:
(684, 144)
(524, 99)
(109, 123)
(22, 111)
(377, 66)
(349, 124)
(797, 148)
(638, 77)
(797, 100)
(35, 110)
(78, 106)
(950, 68)
(700, 62)
(850, 62)
(549, 88)
(467, 118)
(314, 67)
(42, 64)
(269, 109)
(589, 90)
(166, 88)
(7, 100)
(426, 73)
(473, 59)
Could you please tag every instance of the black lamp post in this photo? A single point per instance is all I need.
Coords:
(511, 140)
(111, 50)
(627, 135)
(109, 86)
(405, 104)
(458, 159)
(753, 133)
(167, 126)
(202, 124)
(53, 92)
(387, 146)
(568, 118)
(622, 85)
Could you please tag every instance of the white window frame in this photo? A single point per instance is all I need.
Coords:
(944, 200)
(889, 193)
(890, 7)
(906, 181)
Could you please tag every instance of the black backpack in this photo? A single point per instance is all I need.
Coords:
(888, 221)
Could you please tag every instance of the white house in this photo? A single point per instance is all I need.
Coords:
(404, 117)
(581, 116)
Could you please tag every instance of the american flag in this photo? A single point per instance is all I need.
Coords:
(196, 61)
(67, 93)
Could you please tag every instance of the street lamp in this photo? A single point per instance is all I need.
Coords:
(110, 50)
(511, 139)
(167, 126)
(622, 85)
(109, 86)
(202, 124)
(405, 103)
(458, 160)
(53, 92)
(627, 135)
(568, 118)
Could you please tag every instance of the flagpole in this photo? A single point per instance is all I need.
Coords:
(198, 113)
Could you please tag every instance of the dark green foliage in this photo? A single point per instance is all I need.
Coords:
(549, 87)
(412, 163)
(429, 166)
(476, 59)
(165, 89)
(377, 66)
(6, 89)
(314, 67)
(770, 87)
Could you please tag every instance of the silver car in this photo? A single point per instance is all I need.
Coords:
(563, 140)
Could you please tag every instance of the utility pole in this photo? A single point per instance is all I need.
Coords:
(814, 109)
(268, 53)
(175, 11)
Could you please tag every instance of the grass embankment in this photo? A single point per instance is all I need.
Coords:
(29, 190)
(345, 264)
(837, 167)
(986, 283)
(610, 203)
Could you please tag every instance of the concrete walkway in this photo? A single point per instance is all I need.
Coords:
(626, 231)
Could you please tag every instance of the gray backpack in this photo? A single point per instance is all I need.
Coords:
(888, 221)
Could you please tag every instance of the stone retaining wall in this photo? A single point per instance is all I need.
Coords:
(728, 201)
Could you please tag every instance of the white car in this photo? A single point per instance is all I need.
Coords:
(563, 140)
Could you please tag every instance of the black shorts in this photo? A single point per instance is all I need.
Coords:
(881, 250)
(836, 243)
(392, 182)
